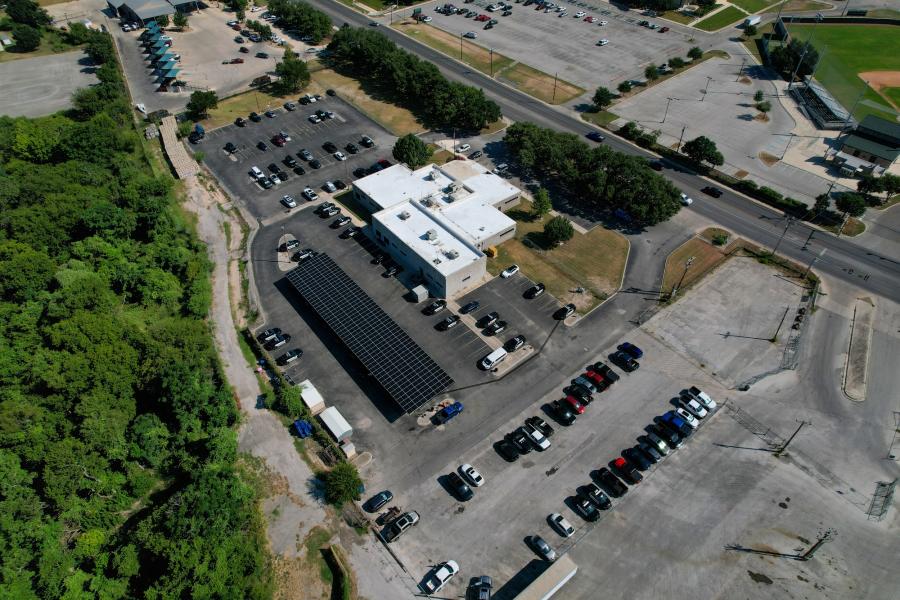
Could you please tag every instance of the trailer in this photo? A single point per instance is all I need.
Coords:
(550, 581)
(754, 20)
(336, 424)
(311, 397)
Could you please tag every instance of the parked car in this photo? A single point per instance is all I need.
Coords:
(543, 549)
(563, 412)
(471, 474)
(670, 437)
(352, 148)
(448, 322)
(329, 147)
(310, 194)
(495, 328)
(302, 255)
(514, 343)
(631, 349)
(278, 341)
(289, 356)
(486, 320)
(476, 154)
(340, 222)
(290, 161)
(315, 164)
(449, 412)
(687, 417)
(676, 424)
(350, 232)
(534, 291)
(464, 148)
(507, 450)
(653, 440)
(480, 588)
(613, 485)
(586, 508)
(608, 374)
(469, 307)
(651, 453)
(439, 577)
(268, 334)
(581, 392)
(435, 307)
(289, 201)
(520, 440)
(539, 424)
(627, 471)
(624, 360)
(537, 438)
(637, 458)
(262, 146)
(367, 141)
(564, 312)
(559, 522)
(697, 394)
(585, 382)
(377, 501)
(240, 122)
(575, 403)
(400, 525)
(290, 245)
(459, 487)
(593, 493)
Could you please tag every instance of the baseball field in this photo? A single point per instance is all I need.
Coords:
(851, 54)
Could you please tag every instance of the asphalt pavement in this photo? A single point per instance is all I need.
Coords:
(843, 259)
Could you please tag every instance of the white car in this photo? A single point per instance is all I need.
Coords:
(310, 194)
(472, 475)
(539, 439)
(687, 417)
(289, 201)
(686, 200)
(285, 134)
(329, 187)
(275, 179)
(693, 407)
(602, 23)
(702, 397)
(563, 526)
(470, 35)
(340, 155)
(603, 42)
(464, 148)
(509, 271)
(426, 19)
(580, 14)
(440, 576)
(314, 119)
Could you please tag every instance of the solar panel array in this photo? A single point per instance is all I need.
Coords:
(403, 369)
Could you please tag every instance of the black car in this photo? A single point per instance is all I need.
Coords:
(265, 182)
(476, 154)
(595, 136)
(563, 412)
(593, 493)
(613, 485)
(303, 100)
(460, 488)
(255, 117)
(534, 291)
(712, 191)
(391, 271)
(671, 438)
(520, 439)
(339, 184)
(627, 471)
(636, 457)
(262, 55)
(298, 170)
(315, 164)
(290, 161)
(607, 373)
(507, 450)
(540, 424)
(268, 334)
(329, 146)
(564, 312)
(262, 146)
(435, 307)
(331, 92)
(289, 356)
(649, 451)
(488, 319)
(274, 168)
(495, 328)
(586, 508)
(448, 322)
(624, 360)
(350, 232)
(230, 148)
(302, 255)
(352, 148)
(656, 165)
(514, 343)
(240, 121)
(340, 222)
(377, 501)
(359, 172)
(469, 307)
(290, 245)
(582, 393)
(322, 208)
(367, 141)
(278, 341)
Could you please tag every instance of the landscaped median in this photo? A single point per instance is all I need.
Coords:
(723, 18)
(527, 79)
(594, 260)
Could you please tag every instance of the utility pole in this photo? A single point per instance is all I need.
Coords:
(460, 46)
(665, 114)
(784, 446)
(741, 72)
(813, 261)
(790, 139)
(555, 77)
(680, 137)
(812, 232)
(687, 265)
(790, 221)
(806, 48)
(821, 541)
(708, 81)
(492, 63)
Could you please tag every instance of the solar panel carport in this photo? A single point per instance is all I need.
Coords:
(409, 376)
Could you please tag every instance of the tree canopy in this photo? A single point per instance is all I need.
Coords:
(602, 98)
(201, 102)
(596, 178)
(118, 472)
(702, 149)
(27, 12)
(292, 72)
(785, 59)
(302, 17)
(410, 149)
(558, 229)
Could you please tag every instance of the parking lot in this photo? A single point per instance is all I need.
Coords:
(568, 46)
(34, 87)
(233, 169)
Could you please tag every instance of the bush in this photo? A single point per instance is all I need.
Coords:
(767, 193)
(27, 38)
(720, 239)
(342, 484)
(558, 229)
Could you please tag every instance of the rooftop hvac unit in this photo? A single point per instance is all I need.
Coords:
(404, 215)
(431, 235)
(451, 254)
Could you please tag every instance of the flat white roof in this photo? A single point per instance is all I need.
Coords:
(444, 248)
(398, 184)
(477, 221)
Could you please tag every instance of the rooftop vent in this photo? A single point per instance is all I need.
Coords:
(451, 254)
(431, 235)
(404, 215)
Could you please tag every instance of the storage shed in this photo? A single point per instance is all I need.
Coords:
(336, 424)
(311, 397)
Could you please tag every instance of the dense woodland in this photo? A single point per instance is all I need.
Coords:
(118, 470)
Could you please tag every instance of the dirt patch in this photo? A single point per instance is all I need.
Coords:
(759, 578)
(295, 579)
(745, 80)
(882, 80)
(762, 117)
(741, 174)
(768, 159)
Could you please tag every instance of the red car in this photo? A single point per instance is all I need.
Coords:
(577, 406)
(597, 379)
(236, 27)
(664, 29)
(384, 163)
(482, 18)
(590, 19)
(278, 141)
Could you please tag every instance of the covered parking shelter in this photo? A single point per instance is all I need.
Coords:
(141, 11)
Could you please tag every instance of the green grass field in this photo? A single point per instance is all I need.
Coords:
(724, 17)
(847, 50)
(752, 6)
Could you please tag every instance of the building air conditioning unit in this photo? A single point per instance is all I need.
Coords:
(431, 235)
(404, 215)
(451, 254)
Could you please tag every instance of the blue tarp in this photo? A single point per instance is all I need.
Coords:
(303, 428)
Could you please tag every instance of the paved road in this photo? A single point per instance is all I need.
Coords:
(843, 259)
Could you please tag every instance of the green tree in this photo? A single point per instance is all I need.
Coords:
(27, 38)
(201, 102)
(342, 484)
(541, 204)
(822, 204)
(410, 149)
(651, 73)
(750, 31)
(764, 107)
(702, 149)
(890, 184)
(558, 229)
(624, 87)
(759, 96)
(602, 98)
(695, 53)
(796, 55)
(162, 20)
(292, 72)
(27, 12)
(850, 204)
(180, 20)
(676, 62)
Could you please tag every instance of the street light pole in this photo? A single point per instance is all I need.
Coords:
(665, 114)
(790, 221)
(681, 137)
(708, 81)
(781, 450)
(555, 78)
(806, 48)
(813, 261)
(492, 63)
(460, 46)
(790, 139)
(687, 265)
(741, 72)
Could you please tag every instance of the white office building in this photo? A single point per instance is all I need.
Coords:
(437, 221)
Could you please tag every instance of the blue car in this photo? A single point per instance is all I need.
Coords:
(631, 349)
(448, 412)
(678, 424)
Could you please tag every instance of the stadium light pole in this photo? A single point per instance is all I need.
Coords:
(806, 48)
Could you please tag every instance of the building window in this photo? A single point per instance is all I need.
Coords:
(508, 231)
(467, 277)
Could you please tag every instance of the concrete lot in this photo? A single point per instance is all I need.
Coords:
(567, 46)
(202, 48)
(34, 87)
(726, 323)
(347, 126)
(725, 114)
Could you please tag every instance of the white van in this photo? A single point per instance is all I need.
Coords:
(493, 359)
(257, 173)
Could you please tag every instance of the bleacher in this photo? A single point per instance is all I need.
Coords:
(827, 112)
